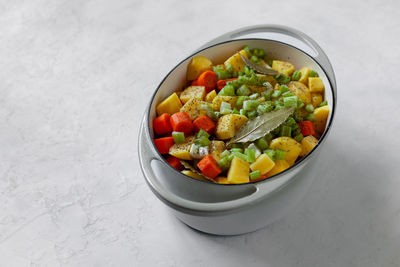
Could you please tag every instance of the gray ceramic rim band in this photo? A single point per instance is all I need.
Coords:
(147, 152)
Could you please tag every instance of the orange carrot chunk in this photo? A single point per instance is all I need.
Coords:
(307, 128)
(208, 79)
(174, 162)
(162, 124)
(180, 122)
(204, 123)
(209, 167)
(163, 144)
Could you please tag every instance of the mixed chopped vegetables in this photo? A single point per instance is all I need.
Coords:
(233, 125)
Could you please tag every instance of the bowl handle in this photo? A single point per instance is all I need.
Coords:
(320, 57)
(147, 154)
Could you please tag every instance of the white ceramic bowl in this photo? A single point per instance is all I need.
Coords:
(235, 209)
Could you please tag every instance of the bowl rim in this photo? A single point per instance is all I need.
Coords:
(295, 165)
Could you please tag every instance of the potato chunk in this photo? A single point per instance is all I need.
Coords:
(307, 144)
(236, 61)
(316, 99)
(238, 171)
(288, 144)
(301, 91)
(263, 164)
(283, 67)
(196, 66)
(280, 166)
(316, 85)
(304, 75)
(221, 180)
(197, 92)
(210, 96)
(228, 125)
(216, 103)
(170, 105)
(182, 151)
(216, 148)
(192, 108)
(321, 117)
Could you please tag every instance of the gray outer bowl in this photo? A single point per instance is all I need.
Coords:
(234, 209)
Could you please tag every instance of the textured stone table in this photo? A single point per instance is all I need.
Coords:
(75, 77)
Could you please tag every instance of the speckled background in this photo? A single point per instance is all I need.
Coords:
(75, 77)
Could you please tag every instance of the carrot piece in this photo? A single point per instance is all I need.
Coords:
(208, 79)
(209, 167)
(162, 124)
(205, 123)
(222, 83)
(180, 122)
(307, 128)
(163, 144)
(174, 162)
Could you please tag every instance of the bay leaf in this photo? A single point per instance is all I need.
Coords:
(190, 167)
(261, 125)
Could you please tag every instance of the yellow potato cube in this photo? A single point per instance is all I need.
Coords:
(280, 166)
(321, 117)
(263, 164)
(228, 125)
(182, 151)
(210, 96)
(316, 85)
(193, 175)
(236, 61)
(216, 103)
(301, 91)
(304, 75)
(283, 67)
(170, 105)
(288, 144)
(216, 148)
(307, 144)
(192, 108)
(316, 99)
(221, 180)
(196, 66)
(238, 171)
(197, 92)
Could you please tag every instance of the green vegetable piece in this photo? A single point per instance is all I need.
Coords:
(261, 143)
(283, 88)
(236, 145)
(235, 111)
(298, 137)
(309, 108)
(270, 153)
(236, 149)
(310, 117)
(282, 78)
(251, 154)
(250, 105)
(228, 90)
(286, 94)
(280, 154)
(323, 103)
(268, 137)
(286, 131)
(254, 96)
(224, 163)
(255, 175)
(243, 91)
(291, 122)
(276, 93)
(243, 112)
(202, 141)
(179, 137)
(254, 59)
(296, 75)
(290, 101)
(225, 153)
(313, 73)
(247, 50)
(202, 133)
(240, 155)
(252, 114)
(240, 100)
